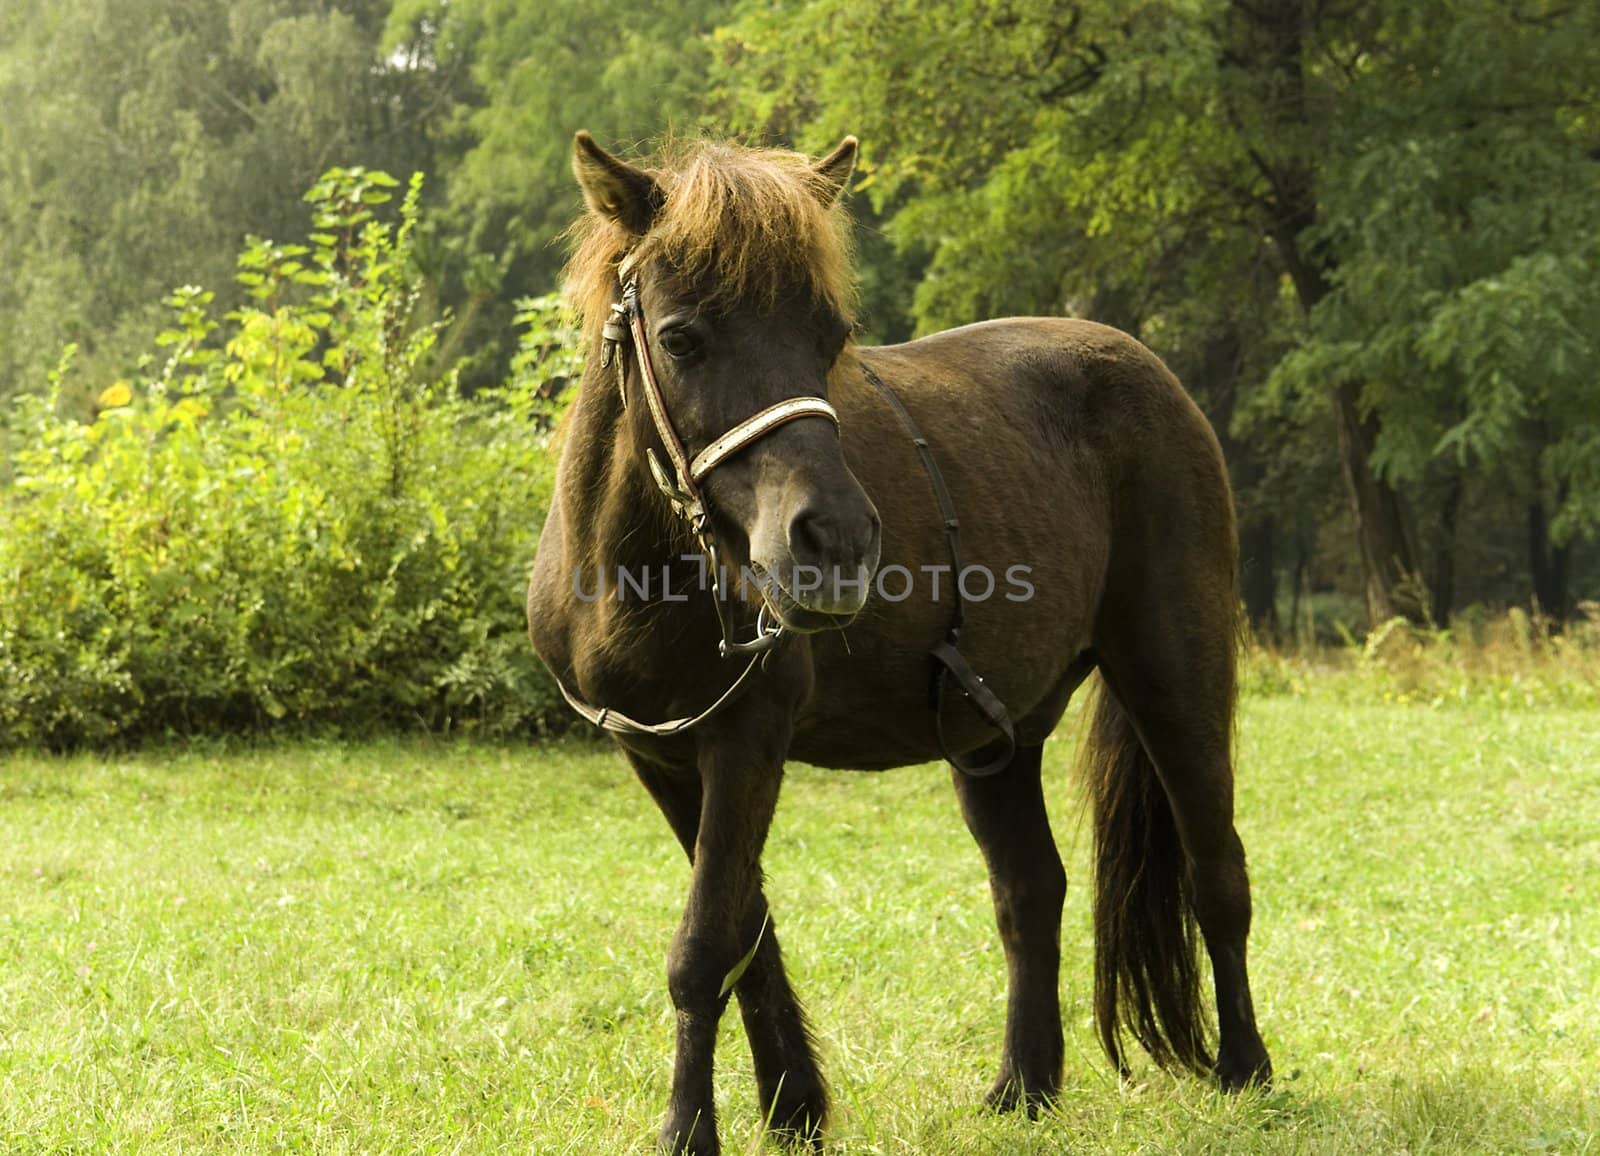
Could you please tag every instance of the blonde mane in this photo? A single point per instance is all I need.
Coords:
(747, 223)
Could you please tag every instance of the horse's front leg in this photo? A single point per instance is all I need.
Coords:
(794, 1096)
(741, 767)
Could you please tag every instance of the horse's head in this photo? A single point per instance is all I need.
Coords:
(737, 268)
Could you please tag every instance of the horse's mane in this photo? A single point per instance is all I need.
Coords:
(747, 224)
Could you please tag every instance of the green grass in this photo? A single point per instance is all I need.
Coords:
(414, 947)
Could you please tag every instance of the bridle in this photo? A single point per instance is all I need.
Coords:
(623, 327)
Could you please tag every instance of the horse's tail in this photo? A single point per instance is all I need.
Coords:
(1146, 966)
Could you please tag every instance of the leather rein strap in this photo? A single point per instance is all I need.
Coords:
(947, 657)
(619, 723)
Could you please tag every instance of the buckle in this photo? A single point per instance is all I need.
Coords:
(684, 503)
(613, 334)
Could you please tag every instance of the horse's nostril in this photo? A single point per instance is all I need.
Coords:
(810, 536)
(820, 536)
(831, 555)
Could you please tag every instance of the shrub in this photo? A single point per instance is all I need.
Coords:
(295, 519)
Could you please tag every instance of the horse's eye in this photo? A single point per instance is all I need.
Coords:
(679, 342)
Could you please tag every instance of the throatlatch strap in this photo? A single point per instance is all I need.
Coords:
(946, 654)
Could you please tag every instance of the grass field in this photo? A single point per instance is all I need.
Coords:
(417, 947)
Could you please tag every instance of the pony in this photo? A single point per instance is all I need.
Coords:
(777, 508)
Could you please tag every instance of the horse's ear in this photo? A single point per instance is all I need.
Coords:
(835, 168)
(615, 188)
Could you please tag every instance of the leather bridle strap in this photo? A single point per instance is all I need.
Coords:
(685, 493)
(652, 395)
(946, 653)
(755, 427)
(619, 723)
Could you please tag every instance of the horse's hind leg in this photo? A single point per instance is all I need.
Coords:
(1166, 649)
(1006, 815)
(793, 1094)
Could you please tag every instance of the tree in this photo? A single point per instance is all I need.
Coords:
(144, 138)
(537, 72)
(1188, 161)
(1469, 152)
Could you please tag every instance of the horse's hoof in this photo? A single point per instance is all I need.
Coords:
(796, 1122)
(1234, 1076)
(1010, 1095)
(698, 1137)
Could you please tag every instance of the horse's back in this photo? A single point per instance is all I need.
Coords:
(1075, 402)
(1078, 380)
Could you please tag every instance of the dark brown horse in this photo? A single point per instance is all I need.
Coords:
(724, 405)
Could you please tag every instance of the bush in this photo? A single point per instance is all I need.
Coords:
(296, 519)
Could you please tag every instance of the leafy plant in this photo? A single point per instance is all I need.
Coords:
(297, 518)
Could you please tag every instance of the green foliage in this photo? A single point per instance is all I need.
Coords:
(533, 73)
(549, 355)
(288, 520)
(1415, 181)
(143, 138)
(1467, 243)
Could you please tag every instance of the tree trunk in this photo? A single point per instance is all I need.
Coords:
(1268, 56)
(1304, 633)
(1549, 565)
(1442, 592)
(1258, 575)
(1215, 384)
(1388, 570)
(1386, 560)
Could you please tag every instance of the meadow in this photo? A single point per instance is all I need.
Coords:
(419, 946)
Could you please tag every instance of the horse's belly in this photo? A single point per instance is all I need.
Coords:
(872, 708)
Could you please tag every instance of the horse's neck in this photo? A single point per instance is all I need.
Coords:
(612, 512)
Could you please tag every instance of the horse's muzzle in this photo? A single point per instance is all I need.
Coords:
(808, 598)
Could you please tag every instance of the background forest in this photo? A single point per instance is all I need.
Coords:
(1366, 235)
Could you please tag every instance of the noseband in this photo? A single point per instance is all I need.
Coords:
(625, 326)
